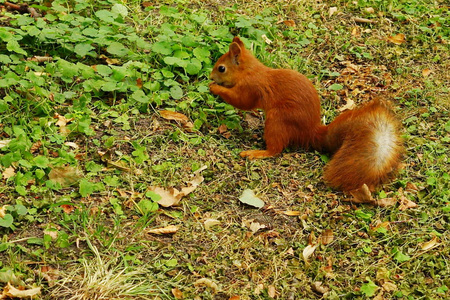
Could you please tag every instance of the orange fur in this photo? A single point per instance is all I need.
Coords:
(365, 142)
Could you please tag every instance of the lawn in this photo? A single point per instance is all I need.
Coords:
(121, 175)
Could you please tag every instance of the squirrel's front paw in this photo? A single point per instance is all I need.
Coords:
(214, 88)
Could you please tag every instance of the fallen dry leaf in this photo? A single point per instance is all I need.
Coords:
(271, 291)
(235, 298)
(349, 105)
(308, 251)
(430, 244)
(35, 146)
(319, 288)
(405, 203)
(397, 39)
(40, 58)
(210, 223)
(266, 39)
(48, 273)
(292, 213)
(169, 197)
(389, 286)
(62, 121)
(363, 20)
(53, 233)
(68, 208)
(255, 226)
(222, 128)
(332, 10)
(426, 72)
(12, 292)
(386, 202)
(9, 172)
(65, 176)
(71, 144)
(4, 143)
(326, 237)
(177, 293)
(164, 230)
(171, 115)
(289, 23)
(252, 121)
(362, 195)
(207, 283)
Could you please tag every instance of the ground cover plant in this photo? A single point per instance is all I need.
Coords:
(120, 171)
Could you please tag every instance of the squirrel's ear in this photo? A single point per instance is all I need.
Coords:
(235, 52)
(238, 41)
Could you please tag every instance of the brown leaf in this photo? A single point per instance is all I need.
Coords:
(65, 176)
(405, 203)
(363, 20)
(349, 105)
(235, 298)
(169, 197)
(35, 146)
(362, 195)
(289, 23)
(253, 122)
(139, 83)
(9, 172)
(385, 202)
(177, 293)
(2, 211)
(426, 72)
(397, 39)
(171, 115)
(164, 230)
(62, 121)
(12, 292)
(222, 128)
(327, 237)
(67, 208)
(40, 58)
(49, 273)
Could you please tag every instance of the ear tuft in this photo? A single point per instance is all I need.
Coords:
(238, 41)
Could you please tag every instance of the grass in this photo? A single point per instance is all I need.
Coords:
(84, 140)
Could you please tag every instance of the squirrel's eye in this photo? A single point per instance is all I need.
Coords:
(221, 69)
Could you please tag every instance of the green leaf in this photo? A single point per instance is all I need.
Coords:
(335, 87)
(147, 206)
(400, 257)
(41, 161)
(249, 197)
(119, 9)
(14, 46)
(6, 221)
(369, 289)
(362, 215)
(21, 210)
(194, 67)
(140, 96)
(105, 15)
(163, 48)
(83, 49)
(176, 92)
(152, 195)
(202, 54)
(117, 49)
(86, 187)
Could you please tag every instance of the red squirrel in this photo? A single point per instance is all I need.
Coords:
(365, 142)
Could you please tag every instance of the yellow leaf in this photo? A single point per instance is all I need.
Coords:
(208, 283)
(348, 106)
(171, 115)
(210, 223)
(426, 72)
(327, 236)
(397, 39)
(430, 244)
(8, 173)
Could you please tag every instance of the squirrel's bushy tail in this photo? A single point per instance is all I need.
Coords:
(367, 147)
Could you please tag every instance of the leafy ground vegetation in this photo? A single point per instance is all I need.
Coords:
(120, 171)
